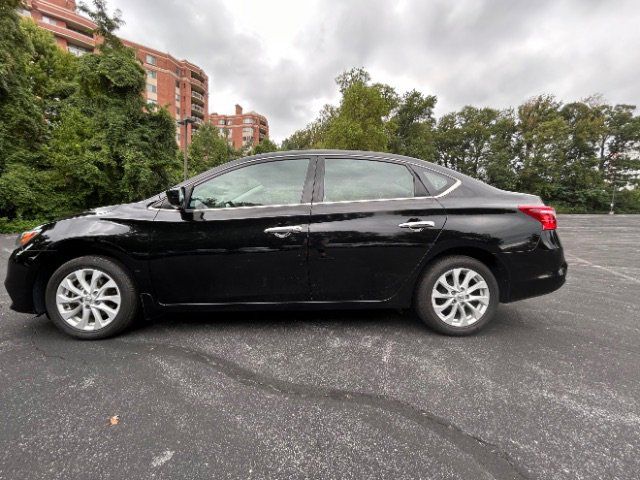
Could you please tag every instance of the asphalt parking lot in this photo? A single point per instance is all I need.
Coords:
(551, 389)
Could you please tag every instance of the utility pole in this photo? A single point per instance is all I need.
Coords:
(185, 121)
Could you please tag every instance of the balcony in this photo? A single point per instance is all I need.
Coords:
(77, 38)
(67, 16)
(197, 85)
(198, 121)
(197, 108)
(198, 97)
(197, 76)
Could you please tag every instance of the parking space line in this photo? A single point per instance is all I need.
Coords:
(609, 270)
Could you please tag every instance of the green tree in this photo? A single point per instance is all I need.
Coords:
(128, 146)
(360, 122)
(412, 126)
(265, 146)
(313, 135)
(77, 132)
(543, 139)
(208, 149)
(37, 79)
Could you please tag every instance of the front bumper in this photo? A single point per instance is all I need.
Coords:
(21, 280)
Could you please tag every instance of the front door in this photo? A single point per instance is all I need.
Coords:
(242, 239)
(372, 222)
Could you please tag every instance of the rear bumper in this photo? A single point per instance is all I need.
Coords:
(538, 272)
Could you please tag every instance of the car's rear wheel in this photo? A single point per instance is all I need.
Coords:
(91, 297)
(457, 295)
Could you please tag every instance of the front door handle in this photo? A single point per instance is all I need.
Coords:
(418, 225)
(283, 232)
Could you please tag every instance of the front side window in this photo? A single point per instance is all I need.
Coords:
(351, 180)
(272, 183)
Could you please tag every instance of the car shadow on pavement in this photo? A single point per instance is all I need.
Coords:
(506, 322)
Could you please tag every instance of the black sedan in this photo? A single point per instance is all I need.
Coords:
(303, 229)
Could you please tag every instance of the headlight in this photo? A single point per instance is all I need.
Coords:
(27, 236)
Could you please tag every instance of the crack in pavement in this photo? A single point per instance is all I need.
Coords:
(32, 340)
(488, 455)
(495, 461)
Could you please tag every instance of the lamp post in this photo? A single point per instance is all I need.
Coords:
(185, 122)
(613, 181)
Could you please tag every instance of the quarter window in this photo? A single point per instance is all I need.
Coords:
(351, 180)
(436, 183)
(272, 183)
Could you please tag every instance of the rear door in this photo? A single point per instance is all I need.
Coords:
(372, 221)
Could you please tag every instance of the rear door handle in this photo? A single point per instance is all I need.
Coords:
(283, 232)
(418, 225)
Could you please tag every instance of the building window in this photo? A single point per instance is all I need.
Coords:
(230, 121)
(221, 121)
(152, 74)
(247, 135)
(177, 98)
(77, 51)
(24, 12)
(49, 20)
(151, 100)
(152, 88)
(151, 60)
(178, 71)
(247, 121)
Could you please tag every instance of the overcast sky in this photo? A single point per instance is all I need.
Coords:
(280, 57)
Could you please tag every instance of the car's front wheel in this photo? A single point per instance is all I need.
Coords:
(457, 295)
(91, 297)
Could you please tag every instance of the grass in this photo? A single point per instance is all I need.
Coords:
(18, 225)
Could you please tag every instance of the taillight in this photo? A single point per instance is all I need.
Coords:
(545, 215)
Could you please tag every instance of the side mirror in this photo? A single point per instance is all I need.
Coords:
(176, 197)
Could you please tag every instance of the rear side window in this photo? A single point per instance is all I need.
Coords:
(351, 180)
(435, 183)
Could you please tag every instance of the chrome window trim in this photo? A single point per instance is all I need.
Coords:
(455, 185)
(450, 189)
(232, 208)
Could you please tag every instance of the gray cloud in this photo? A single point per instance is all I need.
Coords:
(491, 52)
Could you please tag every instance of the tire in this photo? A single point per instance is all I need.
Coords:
(475, 310)
(110, 309)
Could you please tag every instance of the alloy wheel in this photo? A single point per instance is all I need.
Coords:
(460, 297)
(88, 299)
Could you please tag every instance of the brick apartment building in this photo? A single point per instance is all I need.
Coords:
(179, 85)
(242, 130)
